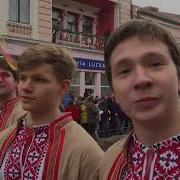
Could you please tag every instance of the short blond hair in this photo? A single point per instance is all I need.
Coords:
(59, 58)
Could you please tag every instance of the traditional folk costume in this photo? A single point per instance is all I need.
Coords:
(10, 111)
(129, 159)
(59, 150)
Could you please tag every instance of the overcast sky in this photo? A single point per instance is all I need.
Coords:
(171, 6)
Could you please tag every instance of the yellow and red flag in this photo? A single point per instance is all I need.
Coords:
(9, 59)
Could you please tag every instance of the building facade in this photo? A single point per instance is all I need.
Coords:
(82, 26)
(169, 21)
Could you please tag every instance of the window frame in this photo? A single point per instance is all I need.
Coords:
(72, 25)
(18, 12)
(87, 25)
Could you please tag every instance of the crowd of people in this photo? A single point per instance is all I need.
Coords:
(100, 117)
(40, 139)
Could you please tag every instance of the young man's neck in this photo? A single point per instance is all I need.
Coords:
(149, 135)
(41, 118)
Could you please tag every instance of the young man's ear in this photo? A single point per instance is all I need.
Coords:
(65, 85)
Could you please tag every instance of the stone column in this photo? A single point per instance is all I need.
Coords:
(98, 84)
(82, 83)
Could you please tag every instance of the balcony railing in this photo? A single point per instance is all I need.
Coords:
(79, 39)
(19, 29)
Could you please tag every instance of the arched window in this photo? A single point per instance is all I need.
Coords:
(19, 11)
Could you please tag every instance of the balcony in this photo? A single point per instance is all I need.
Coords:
(18, 29)
(78, 39)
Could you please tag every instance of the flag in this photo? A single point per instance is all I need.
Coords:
(8, 58)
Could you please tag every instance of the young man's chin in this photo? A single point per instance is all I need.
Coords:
(147, 118)
(26, 107)
(32, 109)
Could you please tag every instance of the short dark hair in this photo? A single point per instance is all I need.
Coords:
(5, 66)
(142, 29)
(59, 58)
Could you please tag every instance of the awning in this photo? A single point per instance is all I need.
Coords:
(14, 49)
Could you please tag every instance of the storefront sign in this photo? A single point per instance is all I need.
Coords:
(90, 64)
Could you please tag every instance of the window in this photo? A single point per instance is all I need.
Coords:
(76, 78)
(89, 78)
(104, 81)
(57, 19)
(19, 11)
(72, 22)
(75, 90)
(75, 86)
(87, 25)
(57, 15)
(105, 89)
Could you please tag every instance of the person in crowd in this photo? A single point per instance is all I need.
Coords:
(92, 116)
(112, 119)
(10, 106)
(142, 63)
(104, 118)
(74, 109)
(83, 115)
(122, 120)
(47, 143)
(96, 100)
(68, 99)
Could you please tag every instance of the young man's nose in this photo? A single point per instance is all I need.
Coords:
(142, 78)
(25, 86)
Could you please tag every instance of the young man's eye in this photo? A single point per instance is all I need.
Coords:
(40, 80)
(156, 64)
(124, 71)
(21, 78)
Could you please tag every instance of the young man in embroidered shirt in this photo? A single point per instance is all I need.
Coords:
(47, 144)
(143, 68)
(10, 107)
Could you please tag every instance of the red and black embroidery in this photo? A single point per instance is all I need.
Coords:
(161, 161)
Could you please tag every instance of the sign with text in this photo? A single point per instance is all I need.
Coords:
(90, 64)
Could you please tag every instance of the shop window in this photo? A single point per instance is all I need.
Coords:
(105, 89)
(104, 81)
(76, 78)
(89, 78)
(72, 22)
(87, 25)
(75, 90)
(75, 86)
(19, 11)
